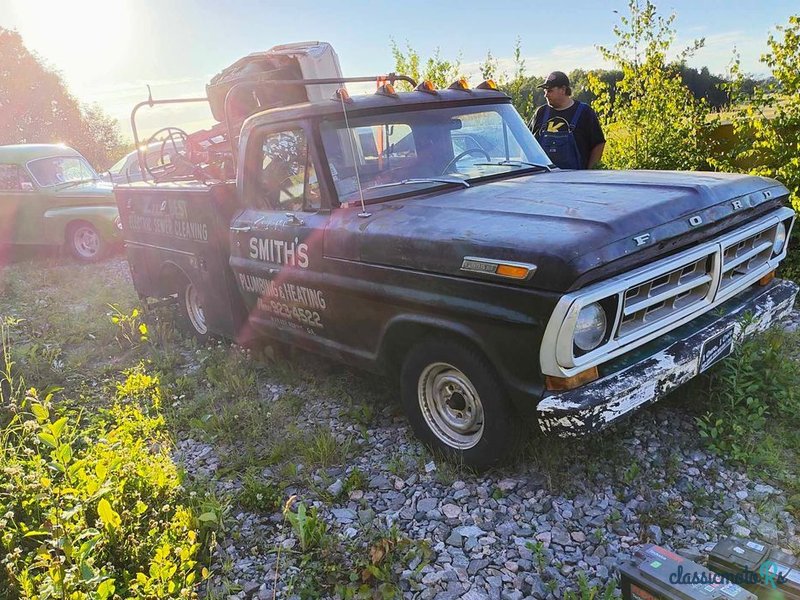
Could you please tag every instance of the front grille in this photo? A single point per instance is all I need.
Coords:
(651, 301)
(736, 260)
(742, 257)
(661, 296)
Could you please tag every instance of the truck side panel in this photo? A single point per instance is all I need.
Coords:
(177, 233)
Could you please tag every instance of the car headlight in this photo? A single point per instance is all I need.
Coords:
(590, 328)
(780, 239)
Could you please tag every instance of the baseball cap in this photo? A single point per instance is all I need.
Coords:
(555, 79)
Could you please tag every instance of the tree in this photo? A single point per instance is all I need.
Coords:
(768, 121)
(653, 121)
(519, 85)
(36, 107)
(438, 71)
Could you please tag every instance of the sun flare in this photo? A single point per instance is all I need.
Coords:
(83, 38)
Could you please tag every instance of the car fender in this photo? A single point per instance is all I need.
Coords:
(103, 218)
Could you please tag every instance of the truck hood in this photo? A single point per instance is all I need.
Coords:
(567, 223)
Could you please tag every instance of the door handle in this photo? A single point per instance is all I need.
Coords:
(243, 229)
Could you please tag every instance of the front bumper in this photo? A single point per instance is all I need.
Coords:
(648, 373)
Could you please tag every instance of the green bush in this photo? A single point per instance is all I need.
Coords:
(91, 504)
(653, 121)
(753, 402)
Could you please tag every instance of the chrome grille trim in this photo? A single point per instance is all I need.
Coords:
(652, 300)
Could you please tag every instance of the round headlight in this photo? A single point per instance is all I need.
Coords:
(780, 239)
(590, 328)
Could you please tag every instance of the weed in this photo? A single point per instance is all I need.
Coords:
(539, 554)
(322, 449)
(259, 496)
(590, 592)
(131, 330)
(631, 473)
(307, 526)
(355, 480)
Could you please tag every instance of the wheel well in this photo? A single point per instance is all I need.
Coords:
(400, 337)
(171, 279)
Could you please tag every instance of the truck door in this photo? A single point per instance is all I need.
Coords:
(276, 241)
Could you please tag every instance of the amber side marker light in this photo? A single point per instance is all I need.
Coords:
(767, 278)
(489, 84)
(563, 384)
(512, 271)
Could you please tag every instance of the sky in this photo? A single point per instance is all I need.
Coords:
(109, 50)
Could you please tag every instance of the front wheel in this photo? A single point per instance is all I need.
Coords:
(457, 405)
(85, 242)
(192, 312)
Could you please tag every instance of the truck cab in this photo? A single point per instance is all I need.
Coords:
(426, 234)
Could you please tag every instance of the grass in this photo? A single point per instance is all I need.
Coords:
(753, 416)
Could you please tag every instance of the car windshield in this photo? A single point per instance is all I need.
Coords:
(400, 152)
(61, 169)
(118, 166)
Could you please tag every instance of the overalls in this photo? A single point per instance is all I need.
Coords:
(560, 146)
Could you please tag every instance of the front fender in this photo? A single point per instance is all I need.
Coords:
(57, 220)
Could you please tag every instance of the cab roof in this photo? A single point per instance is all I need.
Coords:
(361, 102)
(22, 153)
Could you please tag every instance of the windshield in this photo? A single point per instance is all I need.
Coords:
(398, 152)
(118, 166)
(60, 169)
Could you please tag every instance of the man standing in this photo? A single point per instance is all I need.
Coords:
(568, 130)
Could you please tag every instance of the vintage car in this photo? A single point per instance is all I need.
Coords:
(50, 195)
(128, 169)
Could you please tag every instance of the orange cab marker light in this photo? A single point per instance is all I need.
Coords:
(489, 84)
(767, 278)
(512, 271)
(461, 84)
(387, 89)
(562, 384)
(427, 87)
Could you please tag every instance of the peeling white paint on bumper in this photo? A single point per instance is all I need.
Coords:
(596, 405)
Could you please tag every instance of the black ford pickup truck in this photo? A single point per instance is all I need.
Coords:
(426, 234)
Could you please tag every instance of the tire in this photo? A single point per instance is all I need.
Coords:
(85, 242)
(193, 318)
(457, 404)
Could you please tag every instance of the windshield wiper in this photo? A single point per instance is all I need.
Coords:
(515, 163)
(452, 180)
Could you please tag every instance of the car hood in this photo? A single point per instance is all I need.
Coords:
(567, 223)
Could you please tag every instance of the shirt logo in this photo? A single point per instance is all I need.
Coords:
(556, 124)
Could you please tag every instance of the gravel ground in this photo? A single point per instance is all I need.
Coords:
(584, 510)
(659, 485)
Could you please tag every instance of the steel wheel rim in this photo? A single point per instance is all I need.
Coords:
(451, 406)
(195, 310)
(86, 241)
